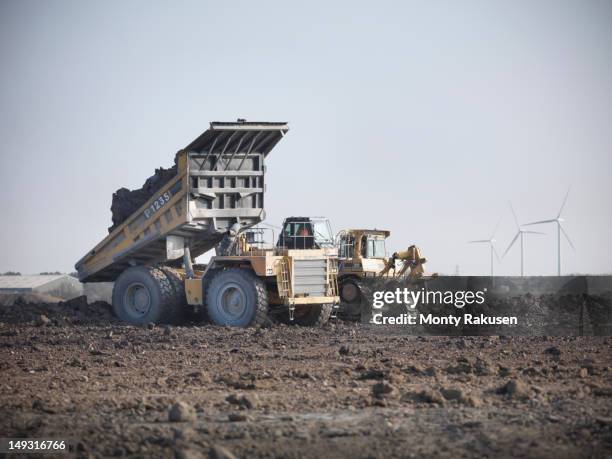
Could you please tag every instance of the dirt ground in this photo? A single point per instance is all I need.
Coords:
(345, 390)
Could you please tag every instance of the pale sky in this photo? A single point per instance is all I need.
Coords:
(424, 118)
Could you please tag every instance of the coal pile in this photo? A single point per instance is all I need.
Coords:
(568, 311)
(21, 311)
(126, 202)
(549, 314)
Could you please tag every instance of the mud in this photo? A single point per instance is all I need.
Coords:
(126, 202)
(345, 390)
(21, 310)
(20, 299)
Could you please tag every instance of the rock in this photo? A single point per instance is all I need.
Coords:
(220, 452)
(432, 371)
(584, 372)
(452, 394)
(79, 302)
(344, 350)
(39, 405)
(602, 391)
(471, 400)
(455, 394)
(167, 330)
(515, 388)
(483, 367)
(591, 369)
(472, 424)
(302, 375)
(382, 389)
(237, 417)
(335, 432)
(463, 366)
(150, 326)
(243, 401)
(43, 321)
(553, 350)
(181, 412)
(504, 371)
(372, 374)
(182, 434)
(414, 370)
(424, 396)
(530, 371)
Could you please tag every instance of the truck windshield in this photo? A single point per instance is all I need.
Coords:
(323, 235)
(376, 248)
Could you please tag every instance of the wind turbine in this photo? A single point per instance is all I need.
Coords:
(490, 241)
(519, 233)
(560, 230)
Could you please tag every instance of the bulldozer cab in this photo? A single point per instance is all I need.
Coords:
(362, 244)
(305, 233)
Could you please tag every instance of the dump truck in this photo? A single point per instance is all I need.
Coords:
(216, 195)
(310, 235)
(362, 256)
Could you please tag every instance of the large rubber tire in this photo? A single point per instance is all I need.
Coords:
(237, 298)
(179, 299)
(143, 294)
(350, 290)
(313, 316)
(351, 298)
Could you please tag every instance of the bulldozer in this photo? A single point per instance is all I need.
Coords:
(213, 202)
(362, 255)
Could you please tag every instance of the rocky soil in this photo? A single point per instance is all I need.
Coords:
(345, 390)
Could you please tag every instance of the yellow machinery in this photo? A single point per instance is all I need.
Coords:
(362, 255)
(411, 259)
(216, 195)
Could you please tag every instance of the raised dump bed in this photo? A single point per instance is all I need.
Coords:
(219, 183)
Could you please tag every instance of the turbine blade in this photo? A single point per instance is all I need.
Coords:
(533, 232)
(479, 241)
(514, 215)
(496, 254)
(540, 222)
(496, 227)
(512, 243)
(566, 236)
(564, 201)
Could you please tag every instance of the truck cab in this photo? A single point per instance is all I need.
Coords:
(306, 233)
(362, 252)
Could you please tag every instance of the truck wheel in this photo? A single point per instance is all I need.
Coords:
(143, 294)
(238, 298)
(351, 297)
(315, 315)
(179, 299)
(350, 290)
